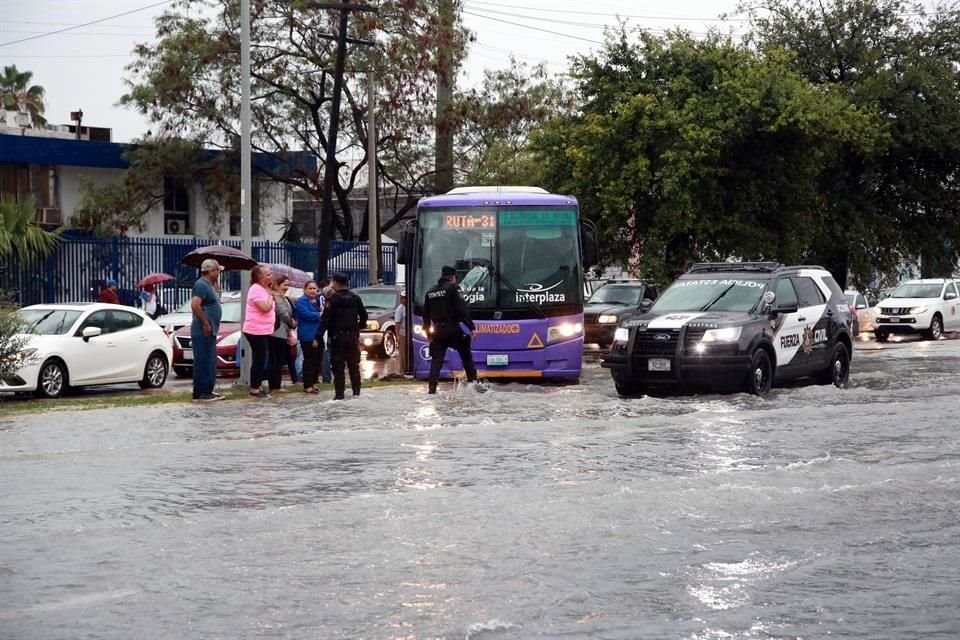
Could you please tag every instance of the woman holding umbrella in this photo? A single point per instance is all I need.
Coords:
(149, 297)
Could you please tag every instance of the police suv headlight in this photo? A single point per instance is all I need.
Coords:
(564, 331)
(622, 334)
(917, 310)
(230, 340)
(729, 334)
(373, 325)
(607, 319)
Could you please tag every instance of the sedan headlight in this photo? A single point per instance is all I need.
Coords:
(230, 340)
(607, 319)
(373, 325)
(916, 310)
(622, 334)
(729, 334)
(564, 331)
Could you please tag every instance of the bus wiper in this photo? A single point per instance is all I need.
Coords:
(717, 299)
(530, 305)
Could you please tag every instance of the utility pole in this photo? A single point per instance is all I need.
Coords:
(373, 194)
(443, 158)
(246, 222)
(330, 162)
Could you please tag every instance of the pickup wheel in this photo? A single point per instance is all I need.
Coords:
(388, 348)
(881, 336)
(936, 328)
(760, 378)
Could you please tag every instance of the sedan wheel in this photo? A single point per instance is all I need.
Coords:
(52, 382)
(154, 373)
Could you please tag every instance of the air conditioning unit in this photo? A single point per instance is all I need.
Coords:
(22, 118)
(175, 227)
(50, 216)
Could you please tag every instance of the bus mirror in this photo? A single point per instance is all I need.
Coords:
(405, 248)
(588, 241)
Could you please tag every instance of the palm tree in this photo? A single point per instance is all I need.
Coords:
(20, 235)
(16, 96)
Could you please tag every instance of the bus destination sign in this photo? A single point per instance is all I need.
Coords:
(469, 221)
(538, 218)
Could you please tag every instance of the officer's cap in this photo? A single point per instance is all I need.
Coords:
(448, 271)
(340, 278)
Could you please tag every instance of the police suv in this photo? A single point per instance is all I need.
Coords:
(736, 326)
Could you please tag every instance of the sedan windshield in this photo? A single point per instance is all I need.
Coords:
(710, 295)
(612, 294)
(918, 291)
(48, 322)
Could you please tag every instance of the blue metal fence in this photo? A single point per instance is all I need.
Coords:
(81, 264)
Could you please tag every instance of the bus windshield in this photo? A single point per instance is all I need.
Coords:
(534, 252)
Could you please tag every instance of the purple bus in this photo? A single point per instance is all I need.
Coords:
(519, 253)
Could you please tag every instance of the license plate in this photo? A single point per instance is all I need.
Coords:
(893, 320)
(498, 360)
(188, 354)
(658, 364)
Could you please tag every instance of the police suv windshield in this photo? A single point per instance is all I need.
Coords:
(711, 294)
(613, 294)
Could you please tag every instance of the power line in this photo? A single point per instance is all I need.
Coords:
(85, 33)
(526, 26)
(86, 24)
(612, 15)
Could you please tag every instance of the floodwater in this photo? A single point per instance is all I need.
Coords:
(525, 512)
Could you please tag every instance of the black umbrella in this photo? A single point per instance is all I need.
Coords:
(229, 258)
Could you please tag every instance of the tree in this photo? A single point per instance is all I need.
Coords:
(188, 83)
(901, 197)
(496, 120)
(686, 150)
(17, 96)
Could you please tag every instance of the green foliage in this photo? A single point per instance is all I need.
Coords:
(16, 95)
(20, 235)
(688, 150)
(188, 82)
(495, 123)
(889, 57)
(12, 341)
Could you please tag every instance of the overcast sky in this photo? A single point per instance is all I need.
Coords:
(84, 68)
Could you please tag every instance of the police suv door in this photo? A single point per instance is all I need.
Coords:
(788, 332)
(817, 318)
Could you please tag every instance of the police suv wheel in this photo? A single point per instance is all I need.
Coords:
(837, 372)
(624, 385)
(760, 378)
(936, 328)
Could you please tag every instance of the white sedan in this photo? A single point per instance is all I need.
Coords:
(73, 345)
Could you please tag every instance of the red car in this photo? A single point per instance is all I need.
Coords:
(227, 339)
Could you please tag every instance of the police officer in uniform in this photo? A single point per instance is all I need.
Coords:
(343, 317)
(443, 313)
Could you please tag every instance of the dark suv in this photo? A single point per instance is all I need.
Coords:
(608, 304)
(736, 326)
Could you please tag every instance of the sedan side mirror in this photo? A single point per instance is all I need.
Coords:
(91, 332)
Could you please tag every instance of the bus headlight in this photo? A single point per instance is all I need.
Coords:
(607, 319)
(622, 334)
(730, 334)
(564, 331)
(418, 330)
(373, 325)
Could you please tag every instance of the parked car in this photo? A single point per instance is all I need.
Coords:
(228, 337)
(74, 345)
(928, 306)
(861, 310)
(183, 315)
(611, 302)
(379, 338)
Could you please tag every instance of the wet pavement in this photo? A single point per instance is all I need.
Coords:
(525, 512)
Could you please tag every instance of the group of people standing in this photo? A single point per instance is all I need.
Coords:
(328, 313)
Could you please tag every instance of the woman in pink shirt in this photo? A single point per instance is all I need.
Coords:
(258, 324)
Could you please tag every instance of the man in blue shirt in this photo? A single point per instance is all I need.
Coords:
(205, 305)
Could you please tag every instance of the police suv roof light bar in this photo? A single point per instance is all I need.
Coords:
(765, 267)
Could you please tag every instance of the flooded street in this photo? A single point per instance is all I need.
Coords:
(525, 512)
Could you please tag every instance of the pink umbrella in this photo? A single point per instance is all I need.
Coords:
(153, 278)
(297, 277)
